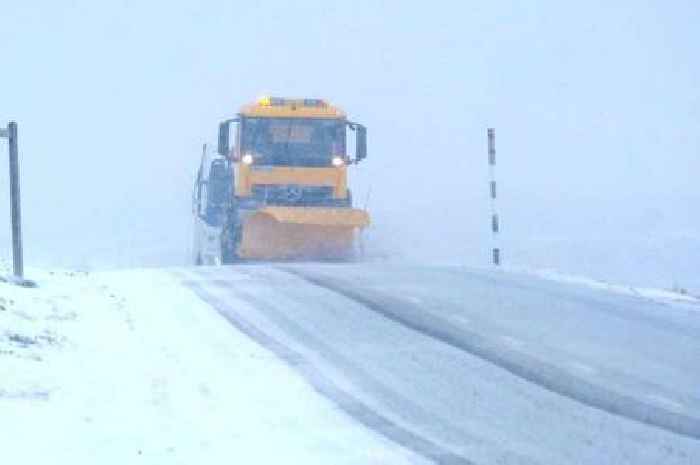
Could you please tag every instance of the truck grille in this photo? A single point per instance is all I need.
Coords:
(293, 194)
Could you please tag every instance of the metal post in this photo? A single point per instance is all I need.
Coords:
(495, 226)
(16, 216)
(17, 259)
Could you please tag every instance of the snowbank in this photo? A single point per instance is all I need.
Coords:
(126, 366)
(656, 295)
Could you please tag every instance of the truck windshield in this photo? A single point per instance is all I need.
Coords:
(293, 141)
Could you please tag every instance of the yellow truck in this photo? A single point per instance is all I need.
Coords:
(279, 191)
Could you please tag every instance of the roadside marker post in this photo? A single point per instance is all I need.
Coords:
(10, 133)
(495, 226)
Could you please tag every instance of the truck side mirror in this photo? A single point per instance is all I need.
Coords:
(224, 147)
(360, 140)
(361, 143)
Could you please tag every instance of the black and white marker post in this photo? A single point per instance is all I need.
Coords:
(496, 252)
(10, 133)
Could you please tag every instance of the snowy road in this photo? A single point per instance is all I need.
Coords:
(463, 366)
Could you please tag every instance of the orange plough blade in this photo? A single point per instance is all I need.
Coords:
(315, 233)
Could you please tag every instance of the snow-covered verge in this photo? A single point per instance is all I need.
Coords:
(653, 294)
(130, 367)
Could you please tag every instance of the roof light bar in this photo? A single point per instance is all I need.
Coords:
(268, 101)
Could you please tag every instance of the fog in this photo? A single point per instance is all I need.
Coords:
(596, 110)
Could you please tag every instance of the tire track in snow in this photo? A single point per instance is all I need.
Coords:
(525, 366)
(356, 409)
(402, 406)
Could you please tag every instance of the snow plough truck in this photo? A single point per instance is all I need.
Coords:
(277, 187)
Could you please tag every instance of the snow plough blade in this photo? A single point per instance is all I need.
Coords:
(314, 233)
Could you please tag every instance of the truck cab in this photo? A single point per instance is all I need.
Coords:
(287, 182)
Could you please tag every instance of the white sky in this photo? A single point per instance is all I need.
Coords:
(596, 107)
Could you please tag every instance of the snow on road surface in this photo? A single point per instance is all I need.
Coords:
(368, 363)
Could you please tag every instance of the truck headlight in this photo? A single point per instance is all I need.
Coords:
(337, 161)
(247, 159)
